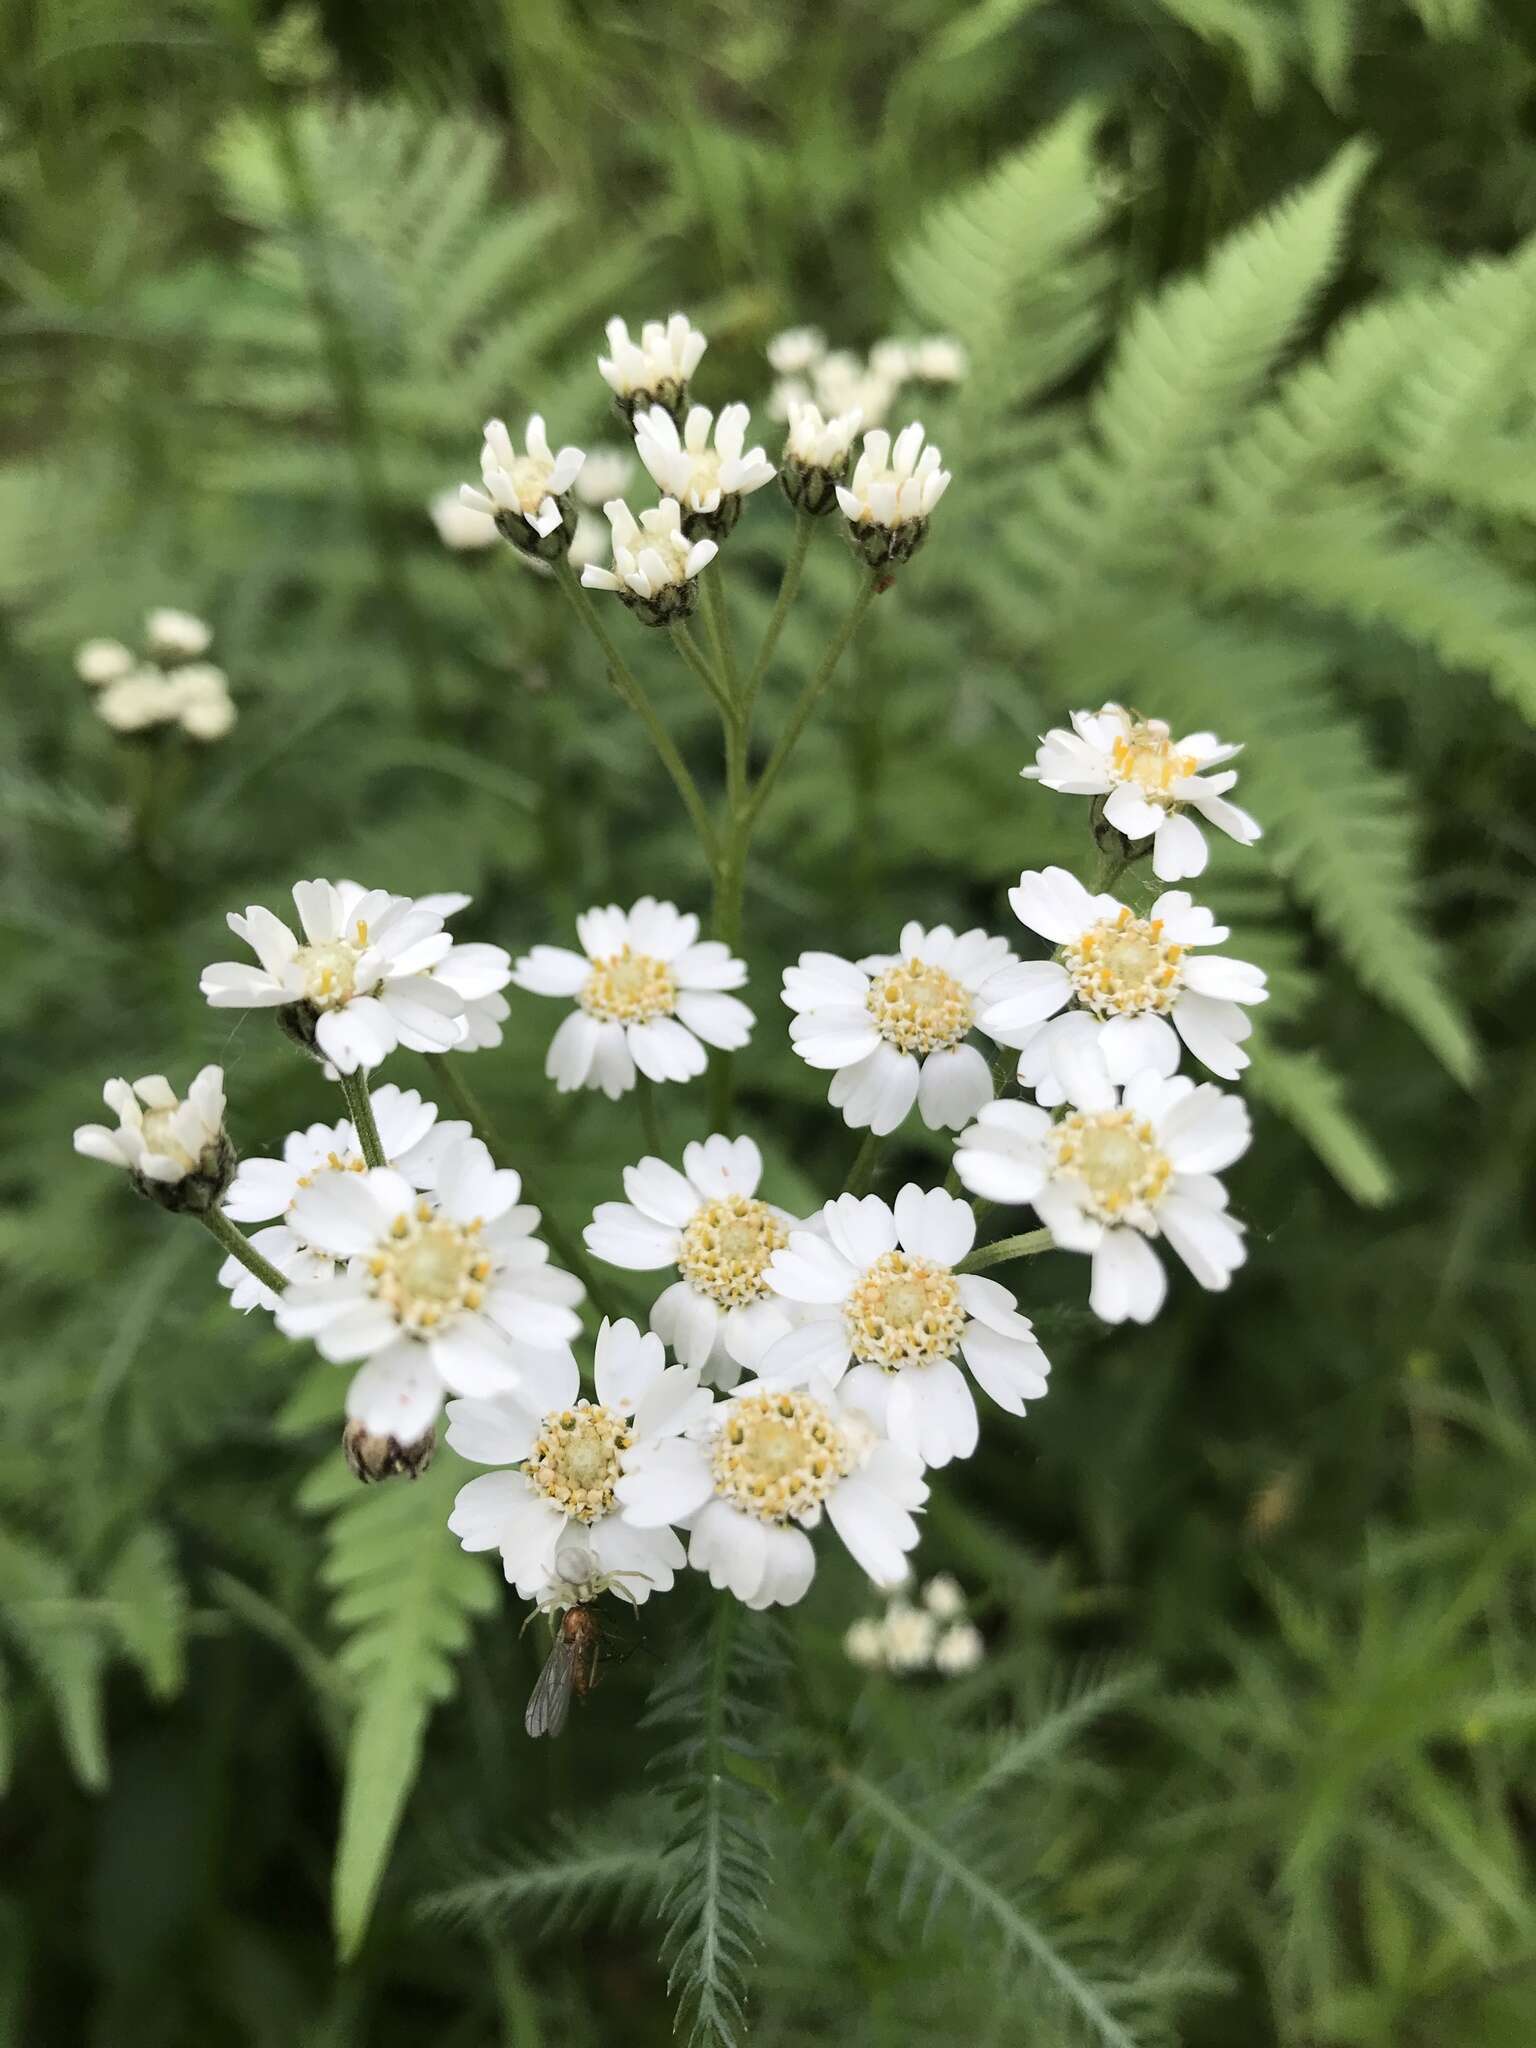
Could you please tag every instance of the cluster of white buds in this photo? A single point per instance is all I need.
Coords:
(932, 1635)
(168, 685)
(839, 381)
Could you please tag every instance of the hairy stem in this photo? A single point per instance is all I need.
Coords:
(710, 676)
(862, 1171)
(810, 696)
(717, 619)
(650, 1117)
(360, 1108)
(234, 1241)
(789, 585)
(629, 689)
(1006, 1248)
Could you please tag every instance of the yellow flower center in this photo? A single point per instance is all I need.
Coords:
(1147, 758)
(726, 1249)
(1124, 966)
(629, 988)
(428, 1269)
(1116, 1157)
(330, 972)
(778, 1455)
(904, 1311)
(529, 478)
(576, 1458)
(918, 1008)
(159, 1137)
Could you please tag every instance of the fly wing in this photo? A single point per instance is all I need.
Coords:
(550, 1701)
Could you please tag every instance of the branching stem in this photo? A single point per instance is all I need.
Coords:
(234, 1241)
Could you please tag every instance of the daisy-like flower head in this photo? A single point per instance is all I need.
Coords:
(102, 661)
(1136, 987)
(796, 350)
(139, 701)
(880, 1301)
(656, 369)
(655, 565)
(647, 993)
(605, 474)
(477, 973)
(568, 1456)
(894, 1027)
(707, 1223)
(938, 359)
(266, 1191)
(816, 456)
(528, 495)
(440, 1288)
(175, 1151)
(1111, 1177)
(176, 636)
(359, 983)
(709, 483)
(891, 495)
(460, 526)
(1148, 782)
(759, 1471)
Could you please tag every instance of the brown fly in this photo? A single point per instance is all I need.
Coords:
(570, 1668)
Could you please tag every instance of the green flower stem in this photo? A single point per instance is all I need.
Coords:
(650, 1117)
(709, 676)
(789, 584)
(1006, 1248)
(629, 689)
(355, 1088)
(717, 619)
(862, 1171)
(450, 1082)
(810, 696)
(218, 1225)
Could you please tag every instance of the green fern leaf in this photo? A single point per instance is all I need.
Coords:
(61, 1639)
(615, 1867)
(403, 1597)
(148, 1605)
(1304, 1089)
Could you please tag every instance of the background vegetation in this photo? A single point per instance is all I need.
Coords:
(1251, 441)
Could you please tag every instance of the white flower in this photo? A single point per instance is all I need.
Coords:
(943, 1598)
(893, 1027)
(1111, 1179)
(522, 489)
(938, 359)
(891, 494)
(654, 562)
(605, 474)
(819, 443)
(102, 661)
(657, 367)
(1150, 781)
(864, 1643)
(1137, 984)
(137, 701)
(707, 1222)
(204, 706)
(263, 1189)
(685, 466)
(878, 1291)
(891, 360)
(844, 382)
(568, 1456)
(460, 526)
(477, 973)
(443, 1288)
(908, 1634)
(959, 1649)
(796, 350)
(160, 1137)
(174, 635)
(362, 975)
(589, 543)
(647, 992)
(785, 395)
(757, 1474)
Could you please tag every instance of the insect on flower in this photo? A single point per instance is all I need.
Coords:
(571, 1666)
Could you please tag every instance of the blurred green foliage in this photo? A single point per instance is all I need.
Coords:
(1250, 440)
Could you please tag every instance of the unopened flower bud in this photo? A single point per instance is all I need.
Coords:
(653, 371)
(709, 483)
(373, 1457)
(528, 496)
(655, 566)
(816, 457)
(888, 499)
(176, 636)
(175, 1152)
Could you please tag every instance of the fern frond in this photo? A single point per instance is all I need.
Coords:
(1305, 1090)
(1079, 1700)
(62, 1640)
(717, 1698)
(1189, 362)
(1008, 265)
(403, 1597)
(615, 1867)
(148, 1604)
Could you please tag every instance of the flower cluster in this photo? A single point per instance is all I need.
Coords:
(169, 684)
(840, 381)
(800, 1367)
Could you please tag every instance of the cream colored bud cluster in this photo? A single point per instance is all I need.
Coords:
(931, 1634)
(168, 684)
(840, 381)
